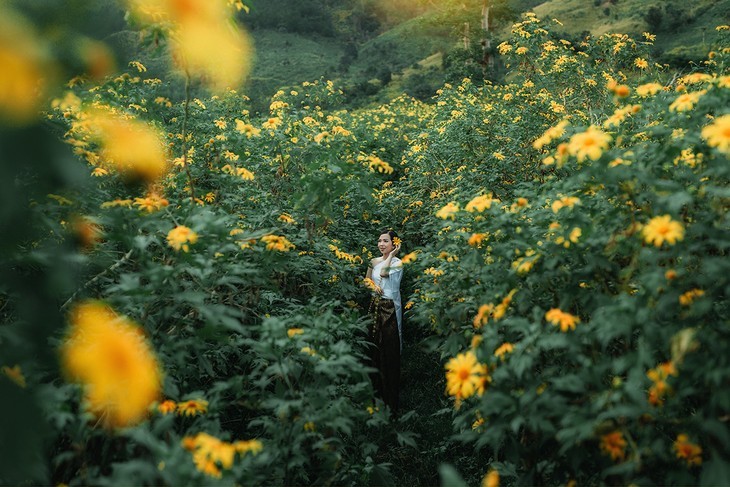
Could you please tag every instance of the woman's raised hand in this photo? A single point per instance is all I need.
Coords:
(394, 251)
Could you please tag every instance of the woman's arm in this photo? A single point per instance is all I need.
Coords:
(385, 270)
(369, 274)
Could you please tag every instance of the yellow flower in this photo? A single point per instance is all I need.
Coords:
(375, 163)
(690, 296)
(504, 48)
(463, 375)
(521, 51)
(408, 258)
(686, 101)
(108, 354)
(247, 129)
(26, 69)
(134, 148)
(641, 63)
(272, 123)
(575, 234)
(291, 332)
(614, 445)
(717, 134)
(476, 239)
(166, 407)
(117, 202)
(192, 407)
(480, 203)
(179, 237)
(308, 351)
(590, 143)
(564, 202)
(687, 450)
(397, 241)
(245, 174)
(648, 89)
(448, 211)
(491, 479)
(565, 321)
(286, 218)
(152, 202)
(503, 350)
(15, 374)
(322, 136)
(662, 229)
(621, 91)
(370, 284)
(204, 41)
(550, 134)
(278, 243)
(483, 314)
(211, 455)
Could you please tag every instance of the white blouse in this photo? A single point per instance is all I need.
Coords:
(391, 288)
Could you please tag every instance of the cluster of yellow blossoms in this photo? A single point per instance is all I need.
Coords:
(659, 388)
(496, 312)
(211, 455)
(191, 407)
(354, 259)
(278, 243)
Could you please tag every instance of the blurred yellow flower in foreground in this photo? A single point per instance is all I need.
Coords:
(480, 203)
(717, 134)
(491, 479)
(408, 258)
(590, 144)
(109, 355)
(291, 332)
(204, 40)
(179, 237)
(662, 229)
(448, 211)
(134, 148)
(686, 101)
(26, 69)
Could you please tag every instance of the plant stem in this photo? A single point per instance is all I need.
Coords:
(185, 136)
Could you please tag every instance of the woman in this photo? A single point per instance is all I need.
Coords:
(386, 331)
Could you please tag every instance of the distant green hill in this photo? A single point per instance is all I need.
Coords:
(381, 48)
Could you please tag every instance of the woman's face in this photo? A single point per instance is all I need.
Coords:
(385, 244)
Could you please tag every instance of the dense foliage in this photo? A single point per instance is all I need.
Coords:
(181, 289)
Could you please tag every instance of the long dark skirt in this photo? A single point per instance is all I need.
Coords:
(385, 352)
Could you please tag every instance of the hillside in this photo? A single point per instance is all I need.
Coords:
(376, 48)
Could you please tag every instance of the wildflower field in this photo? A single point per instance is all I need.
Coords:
(181, 288)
